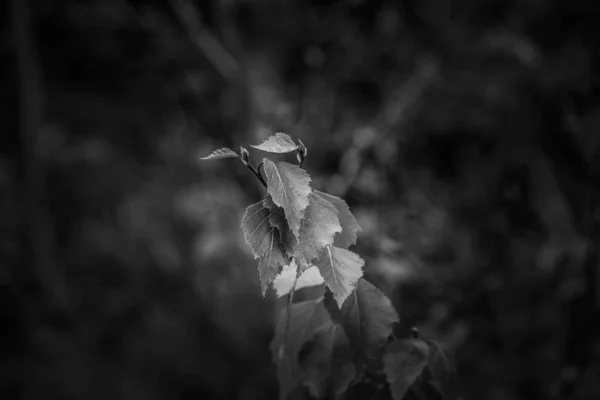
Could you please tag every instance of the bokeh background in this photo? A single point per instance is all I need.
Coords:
(464, 135)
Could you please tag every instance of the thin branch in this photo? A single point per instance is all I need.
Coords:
(256, 173)
(390, 119)
(212, 49)
(290, 303)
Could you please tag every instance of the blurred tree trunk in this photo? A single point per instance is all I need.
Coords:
(36, 235)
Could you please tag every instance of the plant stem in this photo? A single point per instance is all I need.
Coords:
(288, 314)
(257, 174)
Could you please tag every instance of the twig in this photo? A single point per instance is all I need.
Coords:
(389, 119)
(245, 158)
(208, 44)
(257, 174)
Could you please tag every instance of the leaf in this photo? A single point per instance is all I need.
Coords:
(367, 317)
(223, 152)
(278, 221)
(442, 373)
(350, 227)
(404, 361)
(326, 363)
(341, 270)
(285, 280)
(277, 143)
(307, 318)
(289, 187)
(319, 226)
(265, 243)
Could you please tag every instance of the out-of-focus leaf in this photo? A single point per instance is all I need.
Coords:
(306, 319)
(326, 363)
(289, 187)
(341, 270)
(404, 361)
(223, 152)
(367, 317)
(264, 241)
(350, 227)
(285, 280)
(277, 143)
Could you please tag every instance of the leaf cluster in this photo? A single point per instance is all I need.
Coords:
(302, 237)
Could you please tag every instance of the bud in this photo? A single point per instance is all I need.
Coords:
(301, 152)
(245, 156)
(414, 332)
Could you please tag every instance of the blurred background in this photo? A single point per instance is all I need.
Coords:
(464, 135)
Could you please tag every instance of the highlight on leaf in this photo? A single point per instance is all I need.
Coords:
(277, 143)
(341, 270)
(223, 152)
(265, 243)
(285, 280)
(350, 227)
(289, 187)
(404, 362)
(319, 226)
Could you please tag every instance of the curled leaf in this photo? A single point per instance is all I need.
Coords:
(277, 143)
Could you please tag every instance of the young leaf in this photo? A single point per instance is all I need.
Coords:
(285, 280)
(367, 317)
(350, 227)
(289, 187)
(326, 363)
(404, 361)
(277, 143)
(307, 318)
(223, 152)
(341, 270)
(265, 243)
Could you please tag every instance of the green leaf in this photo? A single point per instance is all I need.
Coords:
(326, 363)
(367, 317)
(350, 227)
(265, 243)
(289, 187)
(285, 280)
(223, 152)
(307, 318)
(404, 361)
(341, 270)
(277, 143)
